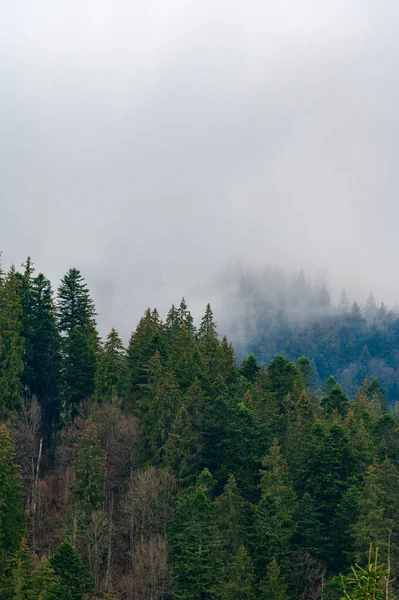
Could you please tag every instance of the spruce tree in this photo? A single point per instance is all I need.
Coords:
(378, 513)
(273, 586)
(76, 318)
(335, 400)
(250, 368)
(274, 514)
(12, 517)
(69, 568)
(158, 409)
(11, 342)
(42, 361)
(197, 568)
(111, 373)
(145, 341)
(87, 489)
(240, 584)
(233, 520)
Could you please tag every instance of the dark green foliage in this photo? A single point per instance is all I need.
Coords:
(79, 342)
(329, 463)
(235, 440)
(335, 400)
(145, 341)
(74, 582)
(11, 342)
(12, 518)
(233, 520)
(158, 409)
(274, 514)
(89, 470)
(304, 366)
(29, 579)
(240, 583)
(148, 515)
(195, 544)
(273, 586)
(250, 368)
(42, 346)
(111, 378)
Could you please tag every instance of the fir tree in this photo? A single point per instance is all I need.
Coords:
(232, 513)
(42, 363)
(70, 571)
(76, 317)
(145, 341)
(240, 583)
(250, 368)
(89, 470)
(161, 404)
(111, 372)
(274, 515)
(197, 568)
(335, 400)
(12, 518)
(273, 586)
(11, 342)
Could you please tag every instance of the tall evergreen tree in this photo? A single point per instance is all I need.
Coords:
(197, 568)
(12, 517)
(71, 572)
(76, 317)
(42, 360)
(161, 403)
(111, 377)
(11, 342)
(273, 586)
(233, 520)
(274, 515)
(240, 584)
(87, 489)
(145, 341)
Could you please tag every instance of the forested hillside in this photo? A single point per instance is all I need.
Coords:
(167, 470)
(294, 316)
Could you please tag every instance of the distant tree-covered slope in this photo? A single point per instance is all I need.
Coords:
(296, 317)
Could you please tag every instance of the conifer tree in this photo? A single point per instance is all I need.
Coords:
(12, 518)
(76, 318)
(89, 470)
(250, 368)
(42, 362)
(274, 514)
(111, 372)
(335, 400)
(19, 585)
(240, 584)
(197, 568)
(304, 365)
(70, 570)
(159, 408)
(11, 342)
(326, 476)
(233, 517)
(379, 513)
(182, 451)
(273, 586)
(145, 341)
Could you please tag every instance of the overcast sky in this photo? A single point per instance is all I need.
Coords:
(150, 143)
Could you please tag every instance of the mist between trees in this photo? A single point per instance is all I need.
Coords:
(170, 470)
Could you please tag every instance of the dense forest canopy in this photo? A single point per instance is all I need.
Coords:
(170, 470)
(271, 313)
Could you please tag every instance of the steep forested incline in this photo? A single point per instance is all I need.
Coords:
(166, 471)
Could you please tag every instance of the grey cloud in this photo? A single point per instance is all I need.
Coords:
(151, 144)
